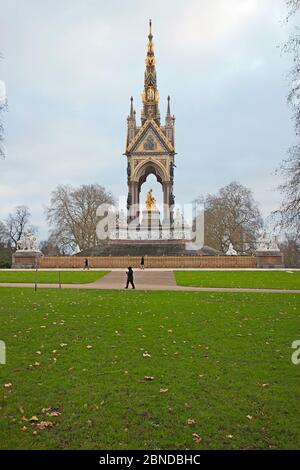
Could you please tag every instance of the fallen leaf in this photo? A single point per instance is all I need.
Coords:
(45, 425)
(53, 413)
(34, 419)
(249, 417)
(163, 390)
(146, 354)
(197, 438)
(9, 385)
(190, 422)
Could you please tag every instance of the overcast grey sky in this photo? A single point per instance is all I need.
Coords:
(70, 67)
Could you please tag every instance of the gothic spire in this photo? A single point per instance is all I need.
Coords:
(170, 123)
(131, 122)
(150, 52)
(168, 109)
(131, 115)
(150, 94)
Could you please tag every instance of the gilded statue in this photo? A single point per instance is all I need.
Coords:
(150, 201)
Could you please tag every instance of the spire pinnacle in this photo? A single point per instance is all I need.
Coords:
(150, 94)
(131, 116)
(131, 106)
(150, 54)
(168, 109)
(150, 36)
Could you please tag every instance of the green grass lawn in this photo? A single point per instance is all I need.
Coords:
(52, 277)
(246, 279)
(222, 361)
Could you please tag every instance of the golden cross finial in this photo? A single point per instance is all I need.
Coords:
(150, 28)
(150, 37)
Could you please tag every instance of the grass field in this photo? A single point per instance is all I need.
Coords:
(243, 279)
(52, 277)
(220, 364)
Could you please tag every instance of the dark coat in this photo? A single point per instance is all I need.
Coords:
(130, 274)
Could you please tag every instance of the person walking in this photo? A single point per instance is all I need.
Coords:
(130, 278)
(86, 264)
(142, 263)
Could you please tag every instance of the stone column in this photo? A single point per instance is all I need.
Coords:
(166, 191)
(168, 203)
(133, 201)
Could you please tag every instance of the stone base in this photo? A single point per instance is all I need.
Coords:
(150, 220)
(147, 248)
(269, 259)
(151, 228)
(26, 259)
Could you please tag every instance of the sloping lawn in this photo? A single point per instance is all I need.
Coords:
(242, 279)
(52, 277)
(148, 370)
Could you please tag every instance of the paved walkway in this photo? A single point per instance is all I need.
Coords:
(154, 280)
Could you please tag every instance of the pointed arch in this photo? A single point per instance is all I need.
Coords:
(148, 167)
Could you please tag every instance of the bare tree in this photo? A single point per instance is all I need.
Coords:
(293, 6)
(233, 216)
(3, 233)
(5, 248)
(289, 211)
(5, 255)
(290, 248)
(16, 225)
(72, 215)
(50, 248)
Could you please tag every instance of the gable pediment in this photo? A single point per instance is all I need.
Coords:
(150, 139)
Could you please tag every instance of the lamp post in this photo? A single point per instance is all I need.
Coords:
(36, 278)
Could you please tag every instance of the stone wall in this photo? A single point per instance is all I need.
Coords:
(274, 260)
(150, 262)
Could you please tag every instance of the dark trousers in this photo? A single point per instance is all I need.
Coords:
(130, 281)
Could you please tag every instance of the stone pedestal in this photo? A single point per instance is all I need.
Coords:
(269, 259)
(150, 225)
(150, 220)
(26, 259)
